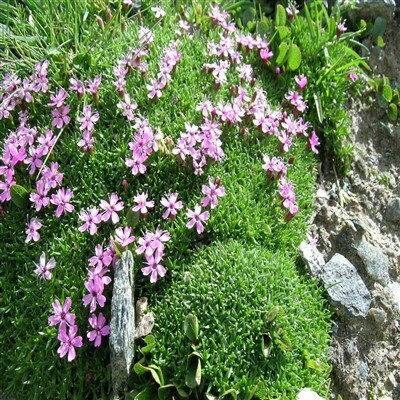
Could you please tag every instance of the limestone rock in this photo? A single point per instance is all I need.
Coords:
(376, 263)
(313, 259)
(308, 394)
(122, 323)
(346, 290)
(370, 9)
(393, 210)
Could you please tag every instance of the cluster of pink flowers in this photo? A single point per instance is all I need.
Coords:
(167, 65)
(132, 60)
(90, 86)
(87, 123)
(15, 91)
(286, 191)
(128, 107)
(145, 142)
(67, 329)
(200, 143)
(92, 217)
(274, 166)
(50, 179)
(212, 191)
(152, 246)
(60, 111)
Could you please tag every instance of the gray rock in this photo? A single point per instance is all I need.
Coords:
(378, 315)
(144, 322)
(122, 323)
(308, 394)
(370, 9)
(394, 288)
(313, 259)
(393, 210)
(363, 370)
(376, 263)
(346, 290)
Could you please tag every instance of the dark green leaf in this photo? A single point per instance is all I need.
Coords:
(191, 327)
(20, 196)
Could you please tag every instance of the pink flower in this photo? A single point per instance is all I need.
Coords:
(40, 198)
(154, 89)
(123, 236)
(353, 76)
(91, 219)
(44, 270)
(128, 107)
(61, 116)
(87, 141)
(62, 200)
(88, 119)
(142, 203)
(197, 218)
(77, 86)
(312, 240)
(101, 257)
(301, 82)
(95, 288)
(51, 175)
(172, 205)
(158, 12)
(35, 159)
(154, 268)
(46, 141)
(93, 85)
(58, 99)
(286, 141)
(110, 209)
(68, 342)
(313, 142)
(99, 330)
(61, 314)
(32, 232)
(212, 192)
(341, 28)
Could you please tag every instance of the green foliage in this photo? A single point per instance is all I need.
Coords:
(280, 15)
(379, 28)
(229, 285)
(20, 196)
(235, 301)
(294, 57)
(393, 112)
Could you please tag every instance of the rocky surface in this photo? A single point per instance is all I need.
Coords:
(122, 323)
(370, 9)
(358, 218)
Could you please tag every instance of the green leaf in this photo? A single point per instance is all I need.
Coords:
(232, 393)
(387, 93)
(155, 371)
(294, 57)
(283, 32)
(165, 392)
(150, 343)
(379, 42)
(280, 15)
(248, 15)
(266, 345)
(132, 218)
(191, 327)
(20, 196)
(379, 27)
(318, 106)
(193, 370)
(282, 53)
(393, 112)
(272, 314)
(262, 28)
(146, 394)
